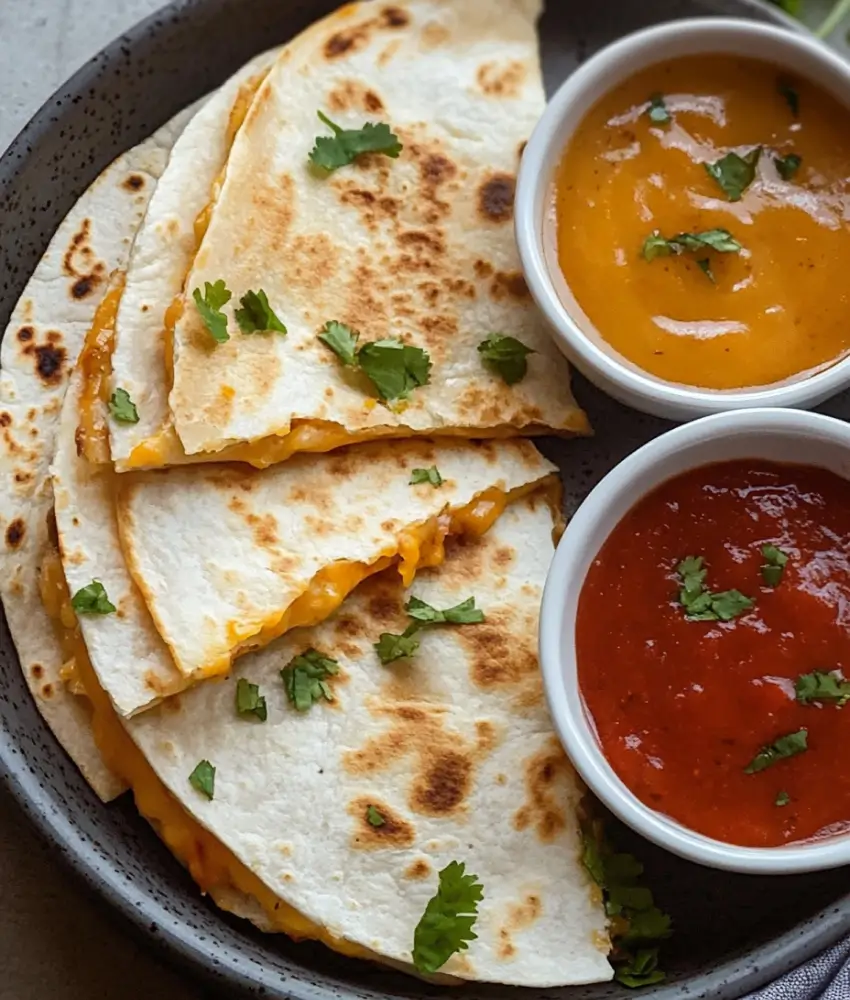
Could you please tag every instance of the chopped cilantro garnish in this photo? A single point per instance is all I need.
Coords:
(256, 315)
(391, 647)
(701, 604)
(249, 701)
(658, 110)
(822, 686)
(209, 306)
(788, 165)
(92, 600)
(641, 924)
(393, 368)
(791, 95)
(203, 779)
(122, 408)
(446, 925)
(506, 356)
(345, 145)
(305, 679)
(782, 799)
(774, 565)
(373, 817)
(721, 240)
(734, 173)
(780, 749)
(705, 266)
(431, 476)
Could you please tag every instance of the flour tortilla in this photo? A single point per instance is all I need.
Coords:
(163, 253)
(40, 346)
(420, 247)
(214, 552)
(454, 748)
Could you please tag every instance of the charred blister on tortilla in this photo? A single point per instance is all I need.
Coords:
(305, 679)
(346, 145)
(391, 647)
(254, 316)
(393, 369)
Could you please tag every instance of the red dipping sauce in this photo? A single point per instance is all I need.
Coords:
(682, 707)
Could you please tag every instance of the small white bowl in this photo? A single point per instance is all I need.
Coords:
(796, 53)
(770, 434)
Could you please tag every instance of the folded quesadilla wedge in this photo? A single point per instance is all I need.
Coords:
(227, 558)
(413, 248)
(333, 821)
(40, 347)
(173, 227)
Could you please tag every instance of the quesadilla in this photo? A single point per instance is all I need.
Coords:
(333, 301)
(227, 558)
(173, 227)
(441, 756)
(40, 346)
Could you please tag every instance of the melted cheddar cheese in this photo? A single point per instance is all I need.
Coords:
(212, 865)
(95, 363)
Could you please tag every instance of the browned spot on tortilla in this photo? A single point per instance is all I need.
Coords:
(436, 168)
(79, 264)
(346, 42)
(25, 334)
(15, 533)
(135, 182)
(486, 735)
(520, 917)
(509, 285)
(83, 287)
(348, 627)
(501, 779)
(349, 95)
(504, 556)
(483, 269)
(264, 529)
(443, 783)
(501, 79)
(496, 198)
(47, 691)
(502, 652)
(394, 17)
(385, 606)
(311, 262)
(417, 869)
(37, 670)
(320, 526)
(49, 358)
(23, 476)
(506, 948)
(393, 832)
(155, 684)
(6, 419)
(544, 772)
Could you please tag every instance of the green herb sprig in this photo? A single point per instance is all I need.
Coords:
(446, 925)
(700, 604)
(394, 369)
(391, 647)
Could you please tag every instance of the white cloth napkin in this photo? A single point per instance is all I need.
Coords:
(826, 977)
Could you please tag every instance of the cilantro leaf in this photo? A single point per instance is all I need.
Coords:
(431, 476)
(782, 799)
(780, 749)
(203, 779)
(506, 356)
(720, 240)
(822, 686)
(774, 565)
(249, 701)
(394, 368)
(92, 600)
(639, 969)
(789, 91)
(345, 145)
(729, 604)
(391, 647)
(209, 306)
(734, 173)
(342, 340)
(256, 315)
(788, 165)
(701, 604)
(464, 613)
(446, 925)
(373, 817)
(122, 408)
(658, 110)
(305, 679)
(705, 266)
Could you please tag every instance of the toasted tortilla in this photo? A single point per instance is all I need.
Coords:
(40, 346)
(226, 558)
(166, 245)
(420, 247)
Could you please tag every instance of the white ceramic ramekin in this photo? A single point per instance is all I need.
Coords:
(796, 53)
(772, 434)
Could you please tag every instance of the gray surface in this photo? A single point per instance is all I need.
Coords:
(55, 940)
(76, 952)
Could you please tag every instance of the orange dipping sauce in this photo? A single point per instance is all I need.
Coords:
(779, 309)
(683, 707)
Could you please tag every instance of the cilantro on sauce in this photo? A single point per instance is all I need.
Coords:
(774, 564)
(734, 173)
(788, 165)
(822, 686)
(657, 110)
(791, 95)
(781, 749)
(701, 604)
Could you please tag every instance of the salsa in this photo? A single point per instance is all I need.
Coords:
(732, 727)
(706, 314)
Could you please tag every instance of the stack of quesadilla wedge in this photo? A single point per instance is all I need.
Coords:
(283, 581)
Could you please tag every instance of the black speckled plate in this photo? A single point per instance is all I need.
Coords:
(733, 933)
